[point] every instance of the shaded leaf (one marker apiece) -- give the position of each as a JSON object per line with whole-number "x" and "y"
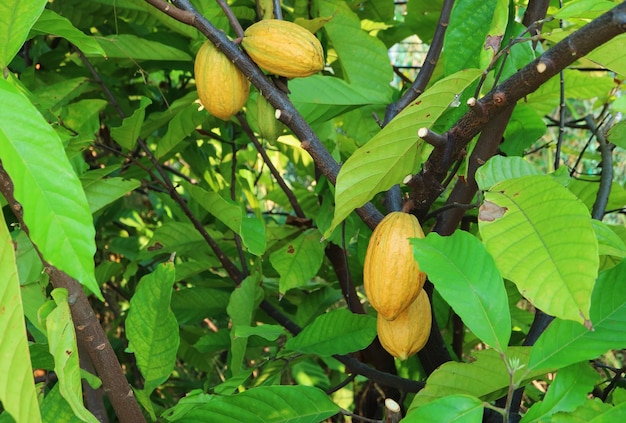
{"x": 54, "y": 203}
{"x": 544, "y": 243}
{"x": 128, "y": 46}
{"x": 126, "y": 135}
{"x": 336, "y": 332}
{"x": 52, "y": 23}
{"x": 101, "y": 191}
{"x": 449, "y": 409}
{"x": 395, "y": 151}
{"x": 264, "y": 404}
{"x": 17, "y": 388}
{"x": 466, "y": 276}
{"x": 299, "y": 260}
{"x": 151, "y": 327}
{"x": 568, "y": 342}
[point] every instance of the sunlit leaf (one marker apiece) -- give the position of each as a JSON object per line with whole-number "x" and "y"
{"x": 395, "y": 151}
{"x": 499, "y": 168}
{"x": 449, "y": 409}
{"x": 466, "y": 276}
{"x": 52, "y": 23}
{"x": 551, "y": 257}
{"x": 55, "y": 207}
{"x": 17, "y": 388}
{"x": 16, "y": 19}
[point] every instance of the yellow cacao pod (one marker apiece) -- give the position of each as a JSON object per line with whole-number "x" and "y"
{"x": 283, "y": 48}
{"x": 391, "y": 276}
{"x": 408, "y": 333}
{"x": 269, "y": 127}
{"x": 222, "y": 88}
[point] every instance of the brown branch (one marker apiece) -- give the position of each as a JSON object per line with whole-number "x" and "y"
{"x": 88, "y": 330}
{"x": 530, "y": 78}
{"x": 266, "y": 159}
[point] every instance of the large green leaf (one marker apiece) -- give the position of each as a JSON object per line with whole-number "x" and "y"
{"x": 395, "y": 151}
{"x": 299, "y": 260}
{"x": 363, "y": 58}
{"x": 151, "y": 327}
{"x": 52, "y": 23}
{"x": 486, "y": 378}
{"x": 17, "y": 388}
{"x": 127, "y": 133}
{"x": 62, "y": 344}
{"x": 16, "y": 19}
{"x": 55, "y": 408}
{"x": 567, "y": 392}
{"x": 264, "y": 404}
{"x": 191, "y": 305}
{"x": 467, "y": 278}
{"x": 472, "y": 35}
{"x": 127, "y": 46}
{"x": 55, "y": 207}
{"x": 450, "y": 409}
{"x": 101, "y": 191}
{"x": 567, "y": 342}
{"x": 541, "y": 238}
{"x": 336, "y": 332}
{"x": 241, "y": 308}
{"x": 592, "y": 411}
{"x": 183, "y": 123}
{"x": 499, "y": 168}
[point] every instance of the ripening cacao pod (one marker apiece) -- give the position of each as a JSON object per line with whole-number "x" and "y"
{"x": 283, "y": 48}
{"x": 269, "y": 127}
{"x": 222, "y": 88}
{"x": 408, "y": 333}
{"x": 391, "y": 276}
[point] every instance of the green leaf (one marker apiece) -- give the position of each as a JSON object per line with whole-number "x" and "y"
{"x": 151, "y": 327}
{"x": 587, "y": 191}
{"x": 16, "y": 19}
{"x": 55, "y": 207}
{"x": 241, "y": 308}
{"x": 62, "y": 344}
{"x": 52, "y": 23}
{"x": 468, "y": 37}
{"x": 55, "y": 408}
{"x": 589, "y": 411}
{"x": 299, "y": 260}
{"x": 364, "y": 60}
{"x": 191, "y": 305}
{"x": 567, "y": 342}
{"x": 584, "y": 9}
{"x": 541, "y": 238}
{"x": 320, "y": 98}
{"x": 449, "y": 409}
{"x": 609, "y": 243}
{"x": 567, "y": 392}
{"x": 183, "y": 123}
{"x": 269, "y": 332}
{"x": 17, "y": 388}
{"x": 101, "y": 191}
{"x": 395, "y": 151}
{"x": 265, "y": 404}
{"x": 467, "y": 278}
{"x": 486, "y": 378}
{"x": 54, "y": 96}
{"x": 617, "y": 134}
{"x": 524, "y": 128}
{"x": 126, "y": 135}
{"x": 498, "y": 169}
{"x": 336, "y": 332}
{"x": 127, "y": 46}
{"x": 253, "y": 235}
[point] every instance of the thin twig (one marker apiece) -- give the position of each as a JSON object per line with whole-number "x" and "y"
{"x": 606, "y": 178}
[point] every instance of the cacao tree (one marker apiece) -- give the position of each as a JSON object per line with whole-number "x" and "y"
{"x": 160, "y": 262}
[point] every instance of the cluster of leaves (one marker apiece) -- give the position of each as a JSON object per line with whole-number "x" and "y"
{"x": 225, "y": 269}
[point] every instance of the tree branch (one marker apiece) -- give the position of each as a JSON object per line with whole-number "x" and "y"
{"x": 599, "y": 31}
{"x": 606, "y": 178}
{"x": 88, "y": 330}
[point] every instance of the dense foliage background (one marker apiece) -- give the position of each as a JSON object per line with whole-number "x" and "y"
{"x": 160, "y": 264}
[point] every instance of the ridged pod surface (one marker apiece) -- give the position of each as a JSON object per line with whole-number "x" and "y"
{"x": 222, "y": 88}
{"x": 391, "y": 276}
{"x": 408, "y": 333}
{"x": 283, "y": 48}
